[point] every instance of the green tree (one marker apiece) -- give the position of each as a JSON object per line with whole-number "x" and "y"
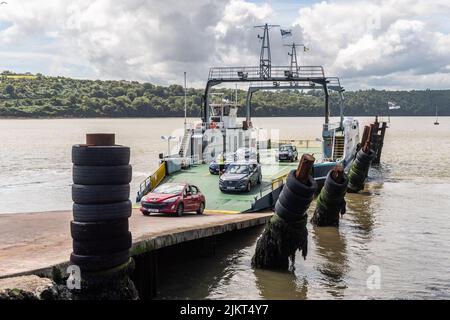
{"x": 10, "y": 90}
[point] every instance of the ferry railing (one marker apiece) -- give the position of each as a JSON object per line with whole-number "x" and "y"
{"x": 278, "y": 182}
{"x": 311, "y": 72}
{"x": 333, "y": 143}
{"x": 189, "y": 126}
{"x": 151, "y": 182}
{"x": 282, "y": 84}
{"x": 254, "y": 73}
{"x": 190, "y": 161}
{"x": 183, "y": 146}
{"x": 334, "y": 84}
{"x": 302, "y": 144}
{"x": 177, "y": 163}
{"x": 265, "y": 190}
{"x": 332, "y": 126}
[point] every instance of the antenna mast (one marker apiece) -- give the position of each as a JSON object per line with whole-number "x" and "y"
{"x": 293, "y": 55}
{"x": 185, "y": 101}
{"x": 265, "y": 60}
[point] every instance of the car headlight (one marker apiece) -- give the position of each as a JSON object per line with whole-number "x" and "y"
{"x": 144, "y": 199}
{"x": 171, "y": 200}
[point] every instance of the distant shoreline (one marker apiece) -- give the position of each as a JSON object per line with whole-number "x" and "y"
{"x": 65, "y": 98}
{"x": 189, "y": 117}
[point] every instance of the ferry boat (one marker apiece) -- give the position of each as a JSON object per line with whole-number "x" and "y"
{"x": 221, "y": 131}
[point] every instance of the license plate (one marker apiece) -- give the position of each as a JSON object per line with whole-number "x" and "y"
{"x": 230, "y": 188}
{"x": 153, "y": 210}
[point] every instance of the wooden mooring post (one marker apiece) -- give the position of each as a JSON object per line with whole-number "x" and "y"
{"x": 361, "y": 165}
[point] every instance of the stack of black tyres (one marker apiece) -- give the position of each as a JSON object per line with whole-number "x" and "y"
{"x": 359, "y": 170}
{"x": 295, "y": 198}
{"x": 330, "y": 202}
{"x": 101, "y": 192}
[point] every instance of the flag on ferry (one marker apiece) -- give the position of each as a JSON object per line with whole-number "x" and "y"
{"x": 393, "y": 105}
{"x": 285, "y": 33}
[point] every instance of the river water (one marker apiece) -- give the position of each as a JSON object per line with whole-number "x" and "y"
{"x": 393, "y": 243}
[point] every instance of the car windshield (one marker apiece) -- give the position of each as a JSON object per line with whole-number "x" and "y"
{"x": 285, "y": 148}
{"x": 169, "y": 189}
{"x": 238, "y": 169}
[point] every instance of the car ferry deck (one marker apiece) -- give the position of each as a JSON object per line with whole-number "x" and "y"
{"x": 273, "y": 174}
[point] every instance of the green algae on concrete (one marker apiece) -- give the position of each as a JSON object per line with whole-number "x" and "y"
{"x": 146, "y": 244}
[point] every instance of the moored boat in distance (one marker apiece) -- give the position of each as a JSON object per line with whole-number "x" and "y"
{"x": 436, "y": 123}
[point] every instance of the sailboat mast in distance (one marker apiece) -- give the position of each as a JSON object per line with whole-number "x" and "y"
{"x": 436, "y": 122}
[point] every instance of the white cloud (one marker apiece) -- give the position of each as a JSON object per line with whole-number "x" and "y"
{"x": 383, "y": 43}
{"x": 135, "y": 39}
{"x": 238, "y": 12}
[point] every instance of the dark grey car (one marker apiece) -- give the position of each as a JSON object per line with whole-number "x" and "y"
{"x": 287, "y": 152}
{"x": 240, "y": 176}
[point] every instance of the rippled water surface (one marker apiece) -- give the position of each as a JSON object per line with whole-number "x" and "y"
{"x": 400, "y": 224}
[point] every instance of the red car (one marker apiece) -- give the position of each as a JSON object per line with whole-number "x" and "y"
{"x": 173, "y": 198}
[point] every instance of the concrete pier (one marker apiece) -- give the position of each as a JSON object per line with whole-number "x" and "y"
{"x": 34, "y": 243}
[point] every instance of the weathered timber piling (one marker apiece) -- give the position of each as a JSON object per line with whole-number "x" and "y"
{"x": 286, "y": 231}
{"x": 377, "y": 142}
{"x": 361, "y": 165}
{"x": 364, "y": 139}
{"x": 331, "y": 201}
{"x": 100, "y": 231}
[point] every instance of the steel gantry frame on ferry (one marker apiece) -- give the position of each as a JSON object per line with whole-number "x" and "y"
{"x": 280, "y": 77}
{"x": 306, "y": 77}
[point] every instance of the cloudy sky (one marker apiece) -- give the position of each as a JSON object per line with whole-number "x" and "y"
{"x": 386, "y": 44}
